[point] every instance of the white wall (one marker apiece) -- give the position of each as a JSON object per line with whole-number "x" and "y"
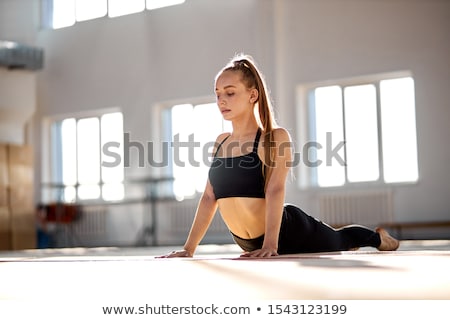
{"x": 137, "y": 61}
{"x": 17, "y": 104}
{"x": 18, "y": 22}
{"x": 338, "y": 39}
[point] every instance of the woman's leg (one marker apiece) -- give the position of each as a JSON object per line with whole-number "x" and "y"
{"x": 355, "y": 236}
{"x": 301, "y": 233}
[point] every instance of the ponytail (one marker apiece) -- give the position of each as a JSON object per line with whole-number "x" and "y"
{"x": 252, "y": 78}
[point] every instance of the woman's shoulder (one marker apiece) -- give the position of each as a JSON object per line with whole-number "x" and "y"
{"x": 219, "y": 140}
{"x": 280, "y": 134}
{"x": 221, "y": 137}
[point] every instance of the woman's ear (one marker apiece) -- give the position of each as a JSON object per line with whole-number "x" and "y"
{"x": 254, "y": 94}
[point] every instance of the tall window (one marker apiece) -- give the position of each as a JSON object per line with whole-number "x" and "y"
{"x": 194, "y": 129}
{"x": 77, "y": 153}
{"x": 64, "y": 13}
{"x": 363, "y": 132}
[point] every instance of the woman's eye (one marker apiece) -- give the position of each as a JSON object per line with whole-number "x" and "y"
{"x": 230, "y": 94}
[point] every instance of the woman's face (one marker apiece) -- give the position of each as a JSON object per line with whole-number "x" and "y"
{"x": 233, "y": 98}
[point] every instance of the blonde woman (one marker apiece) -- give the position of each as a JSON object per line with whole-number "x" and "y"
{"x": 247, "y": 180}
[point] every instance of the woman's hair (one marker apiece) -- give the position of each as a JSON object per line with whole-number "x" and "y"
{"x": 252, "y": 78}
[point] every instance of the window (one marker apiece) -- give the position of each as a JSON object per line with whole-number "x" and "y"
{"x": 362, "y": 131}
{"x": 118, "y": 8}
{"x": 77, "y": 153}
{"x": 90, "y": 9}
{"x": 156, "y": 4}
{"x": 64, "y": 13}
{"x": 194, "y": 129}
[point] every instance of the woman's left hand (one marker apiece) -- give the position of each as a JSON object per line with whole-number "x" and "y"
{"x": 260, "y": 253}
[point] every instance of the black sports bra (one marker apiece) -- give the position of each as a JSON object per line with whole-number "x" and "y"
{"x": 240, "y": 176}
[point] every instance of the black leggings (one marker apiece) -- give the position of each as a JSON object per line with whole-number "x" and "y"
{"x": 301, "y": 233}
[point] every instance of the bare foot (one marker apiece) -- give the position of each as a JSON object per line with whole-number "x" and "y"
{"x": 388, "y": 243}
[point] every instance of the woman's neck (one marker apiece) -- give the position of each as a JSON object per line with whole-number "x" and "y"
{"x": 244, "y": 128}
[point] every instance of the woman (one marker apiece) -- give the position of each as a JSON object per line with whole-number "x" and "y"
{"x": 248, "y": 175}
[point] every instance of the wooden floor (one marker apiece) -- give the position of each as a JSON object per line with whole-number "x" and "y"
{"x": 418, "y": 270}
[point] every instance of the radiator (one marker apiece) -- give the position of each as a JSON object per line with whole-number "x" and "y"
{"x": 92, "y": 221}
{"x": 88, "y": 229}
{"x": 369, "y": 208}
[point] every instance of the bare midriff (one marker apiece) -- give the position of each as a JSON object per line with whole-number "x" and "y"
{"x": 244, "y": 217}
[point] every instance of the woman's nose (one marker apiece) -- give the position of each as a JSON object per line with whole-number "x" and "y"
{"x": 221, "y": 101}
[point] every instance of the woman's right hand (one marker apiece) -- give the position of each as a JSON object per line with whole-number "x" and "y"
{"x": 177, "y": 254}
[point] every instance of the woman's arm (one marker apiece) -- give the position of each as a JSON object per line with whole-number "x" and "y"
{"x": 206, "y": 209}
{"x": 275, "y": 193}
{"x": 205, "y": 213}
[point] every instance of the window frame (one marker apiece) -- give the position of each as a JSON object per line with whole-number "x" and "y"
{"x": 51, "y": 179}
{"x": 47, "y": 13}
{"x": 308, "y": 176}
{"x": 164, "y": 133}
